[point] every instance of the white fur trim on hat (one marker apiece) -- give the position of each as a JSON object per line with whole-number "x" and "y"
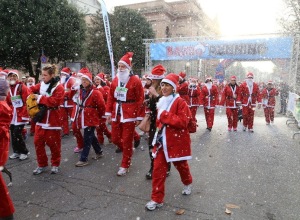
{"x": 62, "y": 72}
{"x": 85, "y": 76}
{"x": 126, "y": 64}
{"x": 13, "y": 72}
{"x": 169, "y": 82}
{"x": 151, "y": 76}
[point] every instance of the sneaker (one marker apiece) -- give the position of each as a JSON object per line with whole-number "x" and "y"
{"x": 77, "y": 150}
{"x": 122, "y": 171}
{"x": 54, "y": 170}
{"x": 267, "y": 123}
{"x": 149, "y": 174}
{"x": 14, "y": 156}
{"x": 187, "y": 189}
{"x": 81, "y": 163}
{"x": 39, "y": 170}
{"x": 23, "y": 156}
{"x": 244, "y": 128}
{"x": 272, "y": 122}
{"x": 251, "y": 130}
{"x": 31, "y": 133}
{"x": 137, "y": 143}
{"x": 229, "y": 129}
{"x": 153, "y": 205}
{"x": 235, "y": 129}
{"x": 98, "y": 156}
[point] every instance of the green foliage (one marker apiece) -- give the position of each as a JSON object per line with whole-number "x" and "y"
{"x": 27, "y": 26}
{"x": 125, "y": 24}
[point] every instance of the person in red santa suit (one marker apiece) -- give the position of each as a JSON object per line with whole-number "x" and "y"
{"x": 171, "y": 142}
{"x": 74, "y": 95}
{"x": 50, "y": 95}
{"x": 67, "y": 81}
{"x": 125, "y": 109}
{"x": 183, "y": 87}
{"x": 209, "y": 98}
{"x": 248, "y": 97}
{"x": 228, "y": 99}
{"x": 194, "y": 97}
{"x": 6, "y": 205}
{"x": 102, "y": 129}
{"x": 16, "y": 99}
{"x": 3, "y": 73}
{"x": 31, "y": 82}
{"x": 268, "y": 95}
{"x": 87, "y": 115}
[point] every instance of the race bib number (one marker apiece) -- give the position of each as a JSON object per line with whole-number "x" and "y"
{"x": 265, "y": 101}
{"x": 17, "y": 101}
{"x": 120, "y": 93}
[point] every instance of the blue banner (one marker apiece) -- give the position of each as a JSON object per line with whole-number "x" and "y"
{"x": 108, "y": 37}
{"x": 246, "y": 49}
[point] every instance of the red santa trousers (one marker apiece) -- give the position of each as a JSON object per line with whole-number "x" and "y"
{"x": 65, "y": 113}
{"x": 159, "y": 175}
{"x": 232, "y": 117}
{"x": 52, "y": 138}
{"x": 102, "y": 129}
{"x": 269, "y": 114}
{"x": 77, "y": 134}
{"x": 248, "y": 116}
{"x": 209, "y": 116}
{"x": 122, "y": 136}
{"x": 6, "y": 204}
{"x": 193, "y": 110}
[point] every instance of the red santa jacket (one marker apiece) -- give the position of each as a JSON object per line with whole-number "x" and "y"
{"x": 130, "y": 110}
{"x": 16, "y": 99}
{"x": 183, "y": 91}
{"x": 5, "y": 119}
{"x": 194, "y": 92}
{"x": 247, "y": 97}
{"x": 52, "y": 101}
{"x": 104, "y": 91}
{"x": 68, "y": 103}
{"x": 229, "y": 96}
{"x": 176, "y": 137}
{"x": 209, "y": 98}
{"x": 89, "y": 109}
{"x": 268, "y": 97}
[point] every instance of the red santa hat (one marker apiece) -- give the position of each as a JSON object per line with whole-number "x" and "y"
{"x": 4, "y": 72}
{"x": 83, "y": 71}
{"x": 182, "y": 74}
{"x": 270, "y": 82}
{"x": 172, "y": 79}
{"x": 250, "y": 75}
{"x": 14, "y": 72}
{"x": 126, "y": 60}
{"x": 66, "y": 70}
{"x": 31, "y": 78}
{"x": 208, "y": 79}
{"x": 88, "y": 76}
{"x": 101, "y": 76}
{"x": 158, "y": 72}
{"x": 233, "y": 78}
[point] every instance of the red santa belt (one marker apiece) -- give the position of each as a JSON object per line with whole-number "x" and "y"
{"x": 183, "y": 93}
{"x": 82, "y": 106}
{"x": 194, "y": 96}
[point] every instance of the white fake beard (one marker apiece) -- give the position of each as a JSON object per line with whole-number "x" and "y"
{"x": 63, "y": 79}
{"x": 123, "y": 76}
{"x": 208, "y": 85}
{"x": 44, "y": 88}
{"x": 12, "y": 82}
{"x": 249, "y": 82}
{"x": 164, "y": 102}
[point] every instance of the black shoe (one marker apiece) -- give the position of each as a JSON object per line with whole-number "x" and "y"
{"x": 137, "y": 143}
{"x": 118, "y": 150}
{"x": 65, "y": 135}
{"x": 279, "y": 112}
{"x": 209, "y": 129}
{"x": 11, "y": 217}
{"x": 149, "y": 175}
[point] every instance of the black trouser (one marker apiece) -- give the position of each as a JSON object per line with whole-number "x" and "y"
{"x": 283, "y": 105}
{"x": 17, "y": 140}
{"x": 89, "y": 140}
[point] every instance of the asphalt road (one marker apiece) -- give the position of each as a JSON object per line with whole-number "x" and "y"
{"x": 257, "y": 173}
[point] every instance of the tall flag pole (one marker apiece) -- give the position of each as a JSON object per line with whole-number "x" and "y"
{"x": 108, "y": 36}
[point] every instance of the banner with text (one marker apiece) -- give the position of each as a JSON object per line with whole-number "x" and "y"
{"x": 246, "y": 49}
